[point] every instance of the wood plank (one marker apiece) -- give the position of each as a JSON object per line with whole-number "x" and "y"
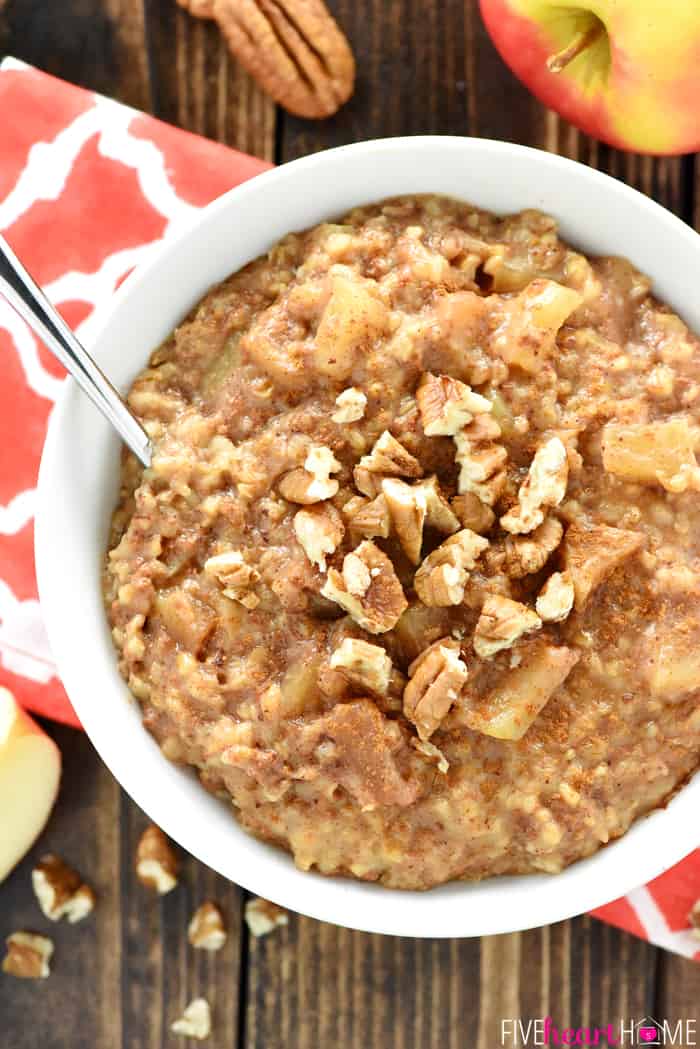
{"x": 99, "y": 44}
{"x": 199, "y": 86}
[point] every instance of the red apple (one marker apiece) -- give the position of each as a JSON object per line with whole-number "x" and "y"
{"x": 624, "y": 71}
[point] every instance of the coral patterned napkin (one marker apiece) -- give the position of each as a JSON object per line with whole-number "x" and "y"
{"x": 88, "y": 188}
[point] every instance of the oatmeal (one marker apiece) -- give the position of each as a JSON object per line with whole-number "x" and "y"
{"x": 413, "y": 580}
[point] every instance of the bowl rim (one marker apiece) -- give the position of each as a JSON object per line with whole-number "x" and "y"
{"x": 589, "y": 883}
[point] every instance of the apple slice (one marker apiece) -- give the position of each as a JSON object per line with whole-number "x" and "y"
{"x": 30, "y": 770}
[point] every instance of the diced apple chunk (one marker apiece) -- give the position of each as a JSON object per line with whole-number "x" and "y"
{"x": 30, "y": 770}
{"x": 674, "y": 669}
{"x": 511, "y": 707}
{"x": 592, "y": 554}
{"x": 528, "y": 335}
{"x": 351, "y": 320}
{"x": 652, "y": 453}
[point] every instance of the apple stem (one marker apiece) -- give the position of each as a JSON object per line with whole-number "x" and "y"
{"x": 585, "y": 38}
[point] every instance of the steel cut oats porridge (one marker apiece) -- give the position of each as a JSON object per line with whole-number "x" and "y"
{"x": 413, "y": 578}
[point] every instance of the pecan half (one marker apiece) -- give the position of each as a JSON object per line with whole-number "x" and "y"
{"x": 501, "y": 623}
{"x": 368, "y": 589}
{"x": 436, "y": 679}
{"x": 293, "y": 48}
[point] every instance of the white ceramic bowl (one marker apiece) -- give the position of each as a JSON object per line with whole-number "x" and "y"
{"x": 78, "y": 490}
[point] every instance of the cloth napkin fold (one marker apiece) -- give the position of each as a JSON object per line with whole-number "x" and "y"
{"x": 88, "y": 189}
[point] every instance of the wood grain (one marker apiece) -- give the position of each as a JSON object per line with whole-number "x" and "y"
{"x": 122, "y": 977}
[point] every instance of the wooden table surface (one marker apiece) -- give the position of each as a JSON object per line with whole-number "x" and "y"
{"x": 122, "y": 976}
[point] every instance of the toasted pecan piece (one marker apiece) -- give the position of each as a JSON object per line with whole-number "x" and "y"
{"x": 368, "y": 588}
{"x": 293, "y": 48}
{"x": 319, "y": 530}
{"x": 263, "y": 916}
{"x": 545, "y": 485}
{"x": 156, "y": 862}
{"x": 369, "y": 517}
{"x": 501, "y": 623}
{"x": 363, "y": 664}
{"x": 350, "y": 406}
{"x": 28, "y": 956}
{"x": 481, "y": 459}
{"x": 436, "y": 677}
{"x": 556, "y": 598}
{"x": 388, "y": 458}
{"x": 207, "y": 931}
{"x": 236, "y": 578}
{"x": 472, "y": 513}
{"x": 312, "y": 483}
{"x": 446, "y": 405}
{"x": 441, "y": 578}
{"x": 195, "y": 1021}
{"x": 522, "y": 555}
{"x": 61, "y": 891}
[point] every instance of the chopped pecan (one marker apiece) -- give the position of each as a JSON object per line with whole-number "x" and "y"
{"x": 388, "y": 458}
{"x": 293, "y": 48}
{"x": 263, "y": 917}
{"x": 432, "y": 753}
{"x": 60, "y": 890}
{"x": 436, "y": 679}
{"x": 407, "y": 509}
{"x": 156, "y": 862}
{"x": 556, "y": 598}
{"x": 312, "y": 483}
{"x": 363, "y": 664}
{"x": 472, "y": 513}
{"x": 591, "y": 554}
{"x": 526, "y": 554}
{"x": 545, "y": 485}
{"x": 28, "y": 956}
{"x": 481, "y": 459}
{"x": 438, "y": 512}
{"x": 351, "y": 404}
{"x": 319, "y": 530}
{"x": 441, "y": 578}
{"x": 207, "y": 930}
{"x": 447, "y": 405}
{"x": 368, "y": 589}
{"x": 501, "y": 623}
{"x": 195, "y": 1021}
{"x": 369, "y": 517}
{"x": 237, "y": 578}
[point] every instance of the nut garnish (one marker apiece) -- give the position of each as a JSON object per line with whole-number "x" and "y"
{"x": 545, "y": 485}
{"x": 407, "y": 508}
{"x": 368, "y": 589}
{"x": 556, "y": 598}
{"x": 441, "y": 578}
{"x": 447, "y": 405}
{"x": 590, "y": 555}
{"x": 432, "y": 753}
{"x": 293, "y": 48}
{"x": 351, "y": 406}
{"x": 363, "y": 664}
{"x": 237, "y": 579}
{"x": 60, "y": 890}
{"x": 526, "y": 554}
{"x": 436, "y": 679}
{"x": 312, "y": 483}
{"x": 370, "y": 518}
{"x": 481, "y": 459}
{"x": 319, "y": 530}
{"x": 472, "y": 513}
{"x": 388, "y": 458}
{"x": 263, "y": 916}
{"x": 438, "y": 512}
{"x": 207, "y": 930}
{"x": 195, "y": 1021}
{"x": 501, "y": 623}
{"x": 28, "y": 956}
{"x": 156, "y": 862}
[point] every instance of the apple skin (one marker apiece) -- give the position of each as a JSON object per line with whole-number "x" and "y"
{"x": 649, "y": 98}
{"x": 30, "y": 771}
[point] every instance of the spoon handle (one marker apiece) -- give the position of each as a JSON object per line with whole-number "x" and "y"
{"x": 21, "y": 291}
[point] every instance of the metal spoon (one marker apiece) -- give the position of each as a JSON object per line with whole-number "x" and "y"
{"x": 22, "y": 292}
